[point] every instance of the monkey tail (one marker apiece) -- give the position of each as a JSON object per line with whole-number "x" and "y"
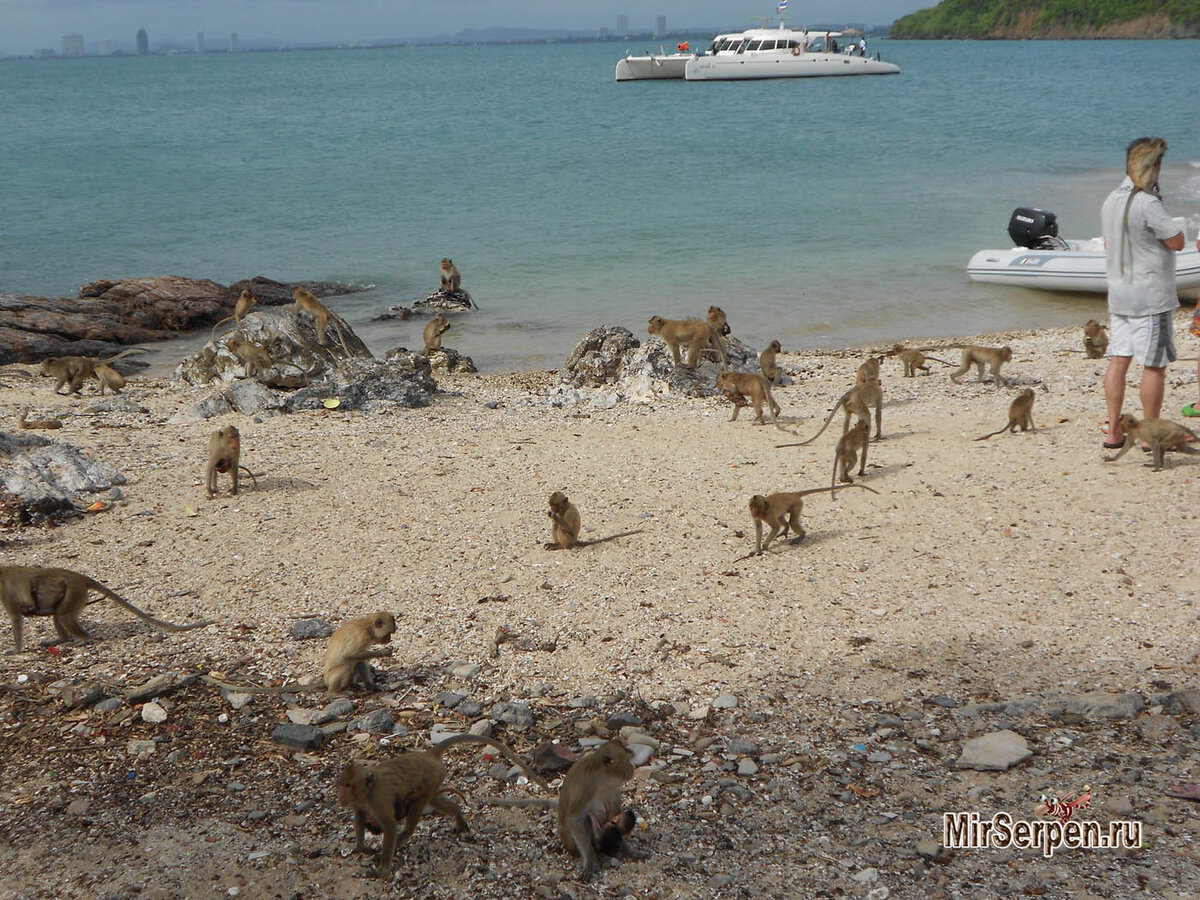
{"x": 833, "y": 482}
{"x": 145, "y": 617}
{"x": 611, "y": 537}
{"x": 993, "y": 434}
{"x": 125, "y": 353}
{"x": 470, "y": 299}
{"x": 251, "y": 474}
{"x": 341, "y": 337}
{"x": 830, "y": 490}
{"x": 828, "y": 419}
{"x": 218, "y": 325}
{"x": 942, "y": 361}
{"x": 258, "y": 689}
{"x": 442, "y": 746}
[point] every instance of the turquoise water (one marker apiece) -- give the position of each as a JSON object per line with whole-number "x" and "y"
{"x": 820, "y": 211}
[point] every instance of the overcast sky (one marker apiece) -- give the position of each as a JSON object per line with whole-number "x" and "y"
{"x": 26, "y": 25}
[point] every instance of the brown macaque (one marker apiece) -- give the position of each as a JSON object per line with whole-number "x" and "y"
{"x": 254, "y": 358}
{"x": 73, "y": 371}
{"x": 1160, "y": 434}
{"x": 346, "y": 658}
{"x": 766, "y": 362}
{"x": 564, "y": 531}
{"x": 382, "y": 794}
{"x": 45, "y": 424}
{"x": 868, "y": 371}
{"x": 749, "y": 389}
{"x": 437, "y": 326}
{"x": 696, "y": 334}
{"x": 244, "y": 303}
{"x": 993, "y": 357}
{"x": 781, "y": 513}
{"x": 307, "y": 301}
{"x": 857, "y": 401}
{"x": 1020, "y": 412}
{"x": 718, "y": 321}
{"x": 62, "y": 594}
{"x": 849, "y": 447}
{"x": 108, "y": 377}
{"x": 224, "y": 453}
{"x": 590, "y": 815}
{"x": 451, "y": 277}
{"x": 1095, "y": 339}
{"x": 915, "y": 359}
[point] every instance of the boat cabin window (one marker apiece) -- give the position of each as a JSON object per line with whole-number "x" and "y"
{"x": 755, "y": 45}
{"x": 768, "y": 45}
{"x": 727, "y": 44}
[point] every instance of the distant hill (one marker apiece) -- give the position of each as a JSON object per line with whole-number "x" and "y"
{"x": 1006, "y": 19}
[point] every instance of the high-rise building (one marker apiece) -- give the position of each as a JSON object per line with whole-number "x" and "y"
{"x": 233, "y": 44}
{"x": 106, "y": 48}
{"x": 622, "y": 25}
{"x": 199, "y": 42}
{"x": 143, "y": 43}
{"x": 72, "y": 45}
{"x": 602, "y": 34}
{"x": 660, "y": 26}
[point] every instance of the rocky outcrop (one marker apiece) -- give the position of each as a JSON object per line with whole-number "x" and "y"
{"x": 108, "y": 314}
{"x": 1041, "y": 20}
{"x": 42, "y": 478}
{"x": 269, "y": 292}
{"x": 446, "y": 361}
{"x": 446, "y": 299}
{"x": 600, "y": 357}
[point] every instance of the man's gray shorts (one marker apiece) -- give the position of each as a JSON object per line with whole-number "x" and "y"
{"x": 1148, "y": 339}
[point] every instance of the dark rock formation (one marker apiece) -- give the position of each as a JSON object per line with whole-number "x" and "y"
{"x": 448, "y": 300}
{"x": 43, "y": 478}
{"x": 269, "y": 292}
{"x": 600, "y": 356}
{"x": 446, "y": 360}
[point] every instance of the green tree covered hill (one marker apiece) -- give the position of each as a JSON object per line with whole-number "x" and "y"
{"x": 1053, "y": 19}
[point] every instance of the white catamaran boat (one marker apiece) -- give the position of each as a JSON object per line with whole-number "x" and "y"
{"x": 654, "y": 66}
{"x": 781, "y": 53}
{"x": 1045, "y": 261}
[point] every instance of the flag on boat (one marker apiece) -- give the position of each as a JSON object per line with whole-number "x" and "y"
{"x": 783, "y": 5}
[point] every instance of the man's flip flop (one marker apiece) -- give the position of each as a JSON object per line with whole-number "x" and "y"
{"x": 1184, "y": 791}
{"x": 1191, "y": 411}
{"x": 1117, "y": 446}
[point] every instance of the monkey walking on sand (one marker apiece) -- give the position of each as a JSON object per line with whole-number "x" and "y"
{"x": 1160, "y": 434}
{"x": 224, "y": 455}
{"x": 781, "y": 512}
{"x": 1020, "y": 412}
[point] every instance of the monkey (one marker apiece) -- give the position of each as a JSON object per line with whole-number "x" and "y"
{"x": 244, "y": 302}
{"x": 433, "y": 332}
{"x": 858, "y": 400}
{"x": 28, "y": 423}
{"x": 75, "y": 370}
{"x": 451, "y": 277}
{"x": 345, "y": 658}
{"x": 868, "y": 371}
{"x": 307, "y": 301}
{"x": 738, "y": 386}
{"x": 915, "y": 359}
{"x": 589, "y": 807}
{"x": 696, "y": 334}
{"x": 564, "y": 532}
{"x": 781, "y": 512}
{"x": 994, "y": 357}
{"x": 1020, "y": 412}
{"x": 384, "y": 793}
{"x": 62, "y": 594}
{"x": 766, "y": 362}
{"x": 849, "y": 446}
{"x": 224, "y": 452}
{"x": 718, "y": 321}
{"x": 1160, "y": 434}
{"x": 255, "y": 359}
{"x": 108, "y": 377}
{"x": 1095, "y": 339}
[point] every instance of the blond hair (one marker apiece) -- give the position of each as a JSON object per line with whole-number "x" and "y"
{"x": 1142, "y": 159}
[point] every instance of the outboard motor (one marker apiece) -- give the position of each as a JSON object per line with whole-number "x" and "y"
{"x": 1036, "y": 229}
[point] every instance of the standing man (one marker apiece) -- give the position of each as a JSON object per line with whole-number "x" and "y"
{"x": 1139, "y": 240}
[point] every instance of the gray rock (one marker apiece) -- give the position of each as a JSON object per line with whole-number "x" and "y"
{"x": 513, "y": 713}
{"x": 640, "y": 754}
{"x": 377, "y": 721}
{"x": 725, "y": 701}
{"x": 994, "y": 752}
{"x": 453, "y": 301}
{"x": 747, "y": 766}
{"x": 600, "y": 357}
{"x": 1014, "y": 709}
{"x": 927, "y": 849}
{"x": 1096, "y": 706}
{"x": 1185, "y": 701}
{"x": 943, "y": 701}
{"x": 303, "y": 737}
{"x": 449, "y": 361}
{"x": 116, "y": 494}
{"x": 619, "y": 720}
{"x": 450, "y": 699}
{"x": 482, "y": 728}
{"x": 461, "y": 669}
{"x": 469, "y": 708}
{"x": 315, "y": 627}
{"x": 879, "y": 756}
{"x": 582, "y": 703}
{"x": 49, "y": 477}
{"x": 112, "y": 703}
{"x": 742, "y": 747}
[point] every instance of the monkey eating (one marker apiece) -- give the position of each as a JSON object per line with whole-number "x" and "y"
{"x": 591, "y": 819}
{"x": 564, "y": 530}
{"x": 1095, "y": 339}
{"x": 1160, "y": 434}
{"x": 1020, "y": 412}
{"x": 781, "y": 513}
{"x": 915, "y": 359}
{"x": 382, "y": 794}
{"x": 306, "y": 301}
{"x": 62, "y": 594}
{"x": 224, "y": 454}
{"x": 766, "y": 362}
{"x": 437, "y": 326}
{"x": 696, "y": 334}
{"x": 856, "y": 401}
{"x": 244, "y": 302}
{"x": 849, "y": 446}
{"x": 993, "y": 357}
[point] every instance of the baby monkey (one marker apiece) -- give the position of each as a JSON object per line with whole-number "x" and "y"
{"x": 591, "y": 819}
{"x": 244, "y": 302}
{"x": 1020, "y": 412}
{"x": 1095, "y": 339}
{"x": 307, "y": 301}
{"x": 1160, "y": 434}
{"x": 915, "y": 359}
{"x": 766, "y": 361}
{"x": 437, "y": 326}
{"x": 851, "y": 444}
{"x": 564, "y": 531}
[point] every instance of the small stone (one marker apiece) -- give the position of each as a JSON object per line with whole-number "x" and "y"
{"x": 450, "y": 699}
{"x": 236, "y": 786}
{"x": 927, "y": 849}
{"x": 311, "y": 628}
{"x": 109, "y": 705}
{"x": 725, "y": 701}
{"x": 257, "y": 816}
{"x": 619, "y": 720}
{"x": 464, "y": 670}
{"x": 513, "y": 713}
{"x": 377, "y": 721}
{"x": 582, "y": 703}
{"x": 305, "y": 805}
{"x": 943, "y": 701}
{"x": 747, "y": 766}
{"x": 302, "y": 737}
{"x": 995, "y": 752}
{"x": 866, "y": 876}
{"x": 696, "y": 713}
{"x": 879, "y": 756}
{"x": 640, "y": 754}
{"x": 116, "y": 493}
{"x": 77, "y": 807}
{"x": 720, "y": 881}
{"x": 879, "y": 893}
{"x": 481, "y": 728}
{"x": 743, "y": 747}
{"x": 469, "y": 708}
{"x": 336, "y": 709}
{"x": 236, "y": 700}
{"x": 301, "y": 716}
{"x": 140, "y": 748}
{"x": 153, "y": 713}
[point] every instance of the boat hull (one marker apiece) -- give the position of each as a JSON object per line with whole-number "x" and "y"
{"x": 1068, "y": 270}
{"x": 652, "y": 68}
{"x": 749, "y": 66}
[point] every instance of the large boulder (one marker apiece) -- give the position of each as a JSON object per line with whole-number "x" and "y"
{"x": 49, "y": 478}
{"x": 446, "y": 299}
{"x": 269, "y": 292}
{"x": 402, "y": 381}
{"x": 601, "y": 357}
{"x": 444, "y": 361}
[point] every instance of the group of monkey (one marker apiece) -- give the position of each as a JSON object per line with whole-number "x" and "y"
{"x": 591, "y": 819}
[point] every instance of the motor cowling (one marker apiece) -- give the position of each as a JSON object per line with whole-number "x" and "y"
{"x": 1033, "y": 228}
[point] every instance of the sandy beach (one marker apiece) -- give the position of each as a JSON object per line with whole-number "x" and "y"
{"x": 1022, "y": 568}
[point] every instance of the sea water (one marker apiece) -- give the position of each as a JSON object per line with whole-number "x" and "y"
{"x": 822, "y": 212}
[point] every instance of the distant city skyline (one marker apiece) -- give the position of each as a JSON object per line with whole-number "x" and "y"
{"x": 27, "y": 26}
